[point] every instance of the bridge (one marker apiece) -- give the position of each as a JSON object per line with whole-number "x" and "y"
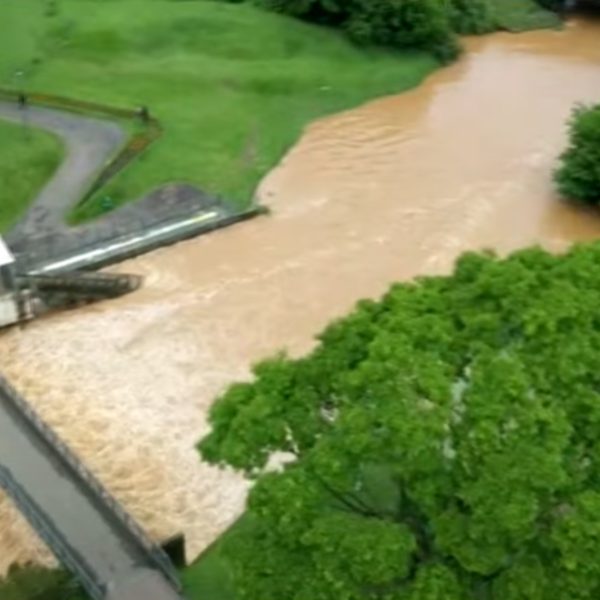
{"x": 87, "y": 530}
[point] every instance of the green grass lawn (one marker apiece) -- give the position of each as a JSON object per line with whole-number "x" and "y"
{"x": 233, "y": 86}
{"x": 27, "y": 159}
{"x": 210, "y": 576}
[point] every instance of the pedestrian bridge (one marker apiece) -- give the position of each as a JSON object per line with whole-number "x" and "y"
{"x": 87, "y": 530}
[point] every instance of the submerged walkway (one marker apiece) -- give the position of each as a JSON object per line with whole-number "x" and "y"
{"x": 85, "y": 528}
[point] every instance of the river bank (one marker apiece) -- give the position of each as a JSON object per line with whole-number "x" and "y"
{"x": 230, "y": 100}
{"x": 396, "y": 188}
{"x": 243, "y": 92}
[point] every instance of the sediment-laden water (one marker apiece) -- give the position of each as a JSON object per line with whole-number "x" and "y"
{"x": 395, "y": 188}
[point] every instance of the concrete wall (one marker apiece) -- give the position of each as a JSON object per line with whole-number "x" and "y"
{"x": 9, "y": 311}
{"x": 7, "y": 278}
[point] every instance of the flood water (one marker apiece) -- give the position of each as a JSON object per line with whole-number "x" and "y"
{"x": 393, "y": 189}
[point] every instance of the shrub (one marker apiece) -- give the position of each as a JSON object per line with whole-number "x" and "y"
{"x": 578, "y": 176}
{"x": 471, "y": 16}
{"x": 37, "y": 583}
{"x": 553, "y": 4}
{"x": 421, "y": 24}
{"x": 311, "y": 10}
{"x": 424, "y": 24}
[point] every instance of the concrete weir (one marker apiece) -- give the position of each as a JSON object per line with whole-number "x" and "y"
{"x": 25, "y": 295}
{"x": 116, "y": 248}
{"x": 84, "y": 526}
{"x": 44, "y": 243}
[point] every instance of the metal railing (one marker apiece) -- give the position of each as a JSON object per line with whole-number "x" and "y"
{"x": 51, "y": 535}
{"x": 37, "y": 249}
{"x": 52, "y": 249}
{"x": 152, "y": 550}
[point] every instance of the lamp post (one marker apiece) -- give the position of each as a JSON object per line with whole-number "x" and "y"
{"x": 20, "y": 87}
{"x": 18, "y": 79}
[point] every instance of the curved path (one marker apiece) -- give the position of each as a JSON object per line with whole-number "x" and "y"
{"x": 89, "y": 144}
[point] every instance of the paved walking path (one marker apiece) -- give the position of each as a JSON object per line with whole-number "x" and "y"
{"x": 90, "y": 143}
{"x": 43, "y": 234}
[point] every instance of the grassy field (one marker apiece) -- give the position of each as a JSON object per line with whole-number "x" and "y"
{"x": 210, "y": 576}
{"x": 232, "y": 85}
{"x": 27, "y": 159}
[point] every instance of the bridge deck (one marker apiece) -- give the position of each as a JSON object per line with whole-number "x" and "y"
{"x": 110, "y": 554}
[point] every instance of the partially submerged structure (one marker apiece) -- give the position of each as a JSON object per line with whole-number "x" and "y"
{"x": 25, "y": 295}
{"x": 10, "y": 311}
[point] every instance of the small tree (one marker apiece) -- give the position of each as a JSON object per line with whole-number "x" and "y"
{"x": 444, "y": 440}
{"x": 578, "y": 176}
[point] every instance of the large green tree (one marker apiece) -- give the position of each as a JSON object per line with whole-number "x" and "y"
{"x": 441, "y": 444}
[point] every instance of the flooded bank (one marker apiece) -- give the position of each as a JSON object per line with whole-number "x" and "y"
{"x": 396, "y": 188}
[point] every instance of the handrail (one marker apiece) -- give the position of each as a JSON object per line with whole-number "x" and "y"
{"x": 51, "y": 535}
{"x": 99, "y": 492}
{"x": 31, "y": 260}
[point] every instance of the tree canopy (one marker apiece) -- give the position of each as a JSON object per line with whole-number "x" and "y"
{"x": 442, "y": 443}
{"x": 578, "y": 176}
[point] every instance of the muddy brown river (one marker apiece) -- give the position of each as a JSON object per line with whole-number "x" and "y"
{"x": 396, "y": 188}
